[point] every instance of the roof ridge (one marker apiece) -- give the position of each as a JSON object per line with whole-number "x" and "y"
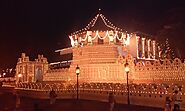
{"x": 93, "y": 21}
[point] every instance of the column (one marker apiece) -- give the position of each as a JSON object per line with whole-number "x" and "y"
{"x": 143, "y": 47}
{"x": 137, "y": 45}
{"x": 153, "y": 42}
{"x": 149, "y": 48}
{"x": 111, "y": 37}
{"x": 127, "y": 41}
{"x": 76, "y": 41}
{"x": 89, "y": 39}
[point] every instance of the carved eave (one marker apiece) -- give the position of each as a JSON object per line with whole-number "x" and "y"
{"x": 65, "y": 51}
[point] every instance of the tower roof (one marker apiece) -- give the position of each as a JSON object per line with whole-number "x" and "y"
{"x": 99, "y": 22}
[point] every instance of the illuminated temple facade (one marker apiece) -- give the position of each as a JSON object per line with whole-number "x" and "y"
{"x": 101, "y": 50}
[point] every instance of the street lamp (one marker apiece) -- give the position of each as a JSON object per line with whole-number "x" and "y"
{"x": 4, "y": 74}
{"x": 19, "y": 77}
{"x": 77, "y": 73}
{"x": 127, "y": 69}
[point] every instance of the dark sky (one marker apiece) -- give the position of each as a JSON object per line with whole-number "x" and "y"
{"x": 42, "y": 26}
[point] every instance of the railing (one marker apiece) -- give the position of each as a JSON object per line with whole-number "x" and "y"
{"x": 7, "y": 79}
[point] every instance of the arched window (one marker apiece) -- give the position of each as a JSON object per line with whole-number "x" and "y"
{"x": 38, "y": 74}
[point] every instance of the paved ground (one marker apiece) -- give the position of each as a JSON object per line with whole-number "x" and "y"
{"x": 80, "y": 105}
{"x": 7, "y": 103}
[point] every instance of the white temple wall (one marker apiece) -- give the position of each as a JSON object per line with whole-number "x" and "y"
{"x": 95, "y": 54}
{"x": 100, "y": 73}
{"x": 132, "y": 47}
{"x": 57, "y": 75}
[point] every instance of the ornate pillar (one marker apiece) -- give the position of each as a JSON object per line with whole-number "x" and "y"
{"x": 76, "y": 41}
{"x": 111, "y": 37}
{"x": 72, "y": 41}
{"x": 137, "y": 46}
{"x": 89, "y": 39}
{"x": 153, "y": 42}
{"x": 148, "y": 48}
{"x": 80, "y": 41}
{"x": 127, "y": 42}
{"x": 143, "y": 47}
{"x": 123, "y": 38}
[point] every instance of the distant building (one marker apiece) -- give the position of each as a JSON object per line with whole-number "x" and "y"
{"x": 31, "y": 71}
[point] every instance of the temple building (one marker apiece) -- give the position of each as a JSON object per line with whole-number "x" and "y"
{"x": 101, "y": 50}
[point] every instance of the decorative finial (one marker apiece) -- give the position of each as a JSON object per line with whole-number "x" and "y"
{"x": 99, "y": 10}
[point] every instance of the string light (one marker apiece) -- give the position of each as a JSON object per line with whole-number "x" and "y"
{"x": 93, "y": 22}
{"x": 124, "y": 39}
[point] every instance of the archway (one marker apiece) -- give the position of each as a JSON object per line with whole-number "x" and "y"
{"x": 38, "y": 74}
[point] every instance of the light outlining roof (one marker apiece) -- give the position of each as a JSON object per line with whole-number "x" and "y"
{"x": 92, "y": 23}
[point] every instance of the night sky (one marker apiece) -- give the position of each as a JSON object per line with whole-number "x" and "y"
{"x": 42, "y": 26}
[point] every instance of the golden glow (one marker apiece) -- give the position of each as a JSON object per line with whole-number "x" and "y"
{"x": 19, "y": 75}
{"x": 77, "y": 70}
{"x": 127, "y": 69}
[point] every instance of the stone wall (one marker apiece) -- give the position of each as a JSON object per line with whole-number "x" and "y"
{"x": 153, "y": 95}
{"x": 160, "y": 71}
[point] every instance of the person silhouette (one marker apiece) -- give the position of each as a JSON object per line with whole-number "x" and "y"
{"x": 168, "y": 104}
{"x": 111, "y": 101}
{"x": 53, "y": 96}
{"x": 176, "y": 106}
